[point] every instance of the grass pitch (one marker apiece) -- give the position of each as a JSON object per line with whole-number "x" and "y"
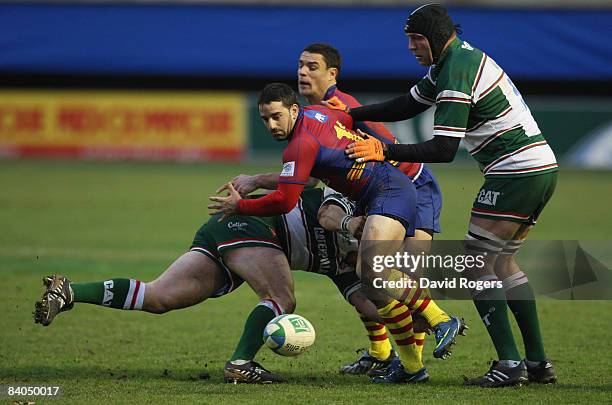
{"x": 93, "y": 221}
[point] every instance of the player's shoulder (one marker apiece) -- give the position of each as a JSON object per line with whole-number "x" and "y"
{"x": 464, "y": 53}
{"x": 462, "y": 63}
{"x": 317, "y": 113}
{"x": 347, "y": 99}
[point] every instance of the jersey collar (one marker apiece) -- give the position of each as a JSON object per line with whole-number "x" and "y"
{"x": 297, "y": 122}
{"x": 455, "y": 43}
{"x": 330, "y": 92}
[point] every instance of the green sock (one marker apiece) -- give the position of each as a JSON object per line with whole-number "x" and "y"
{"x": 521, "y": 302}
{"x": 252, "y": 336}
{"x": 121, "y": 293}
{"x": 492, "y": 307}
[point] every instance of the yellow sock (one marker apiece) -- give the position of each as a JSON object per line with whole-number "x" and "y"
{"x": 419, "y": 301}
{"x": 419, "y": 340}
{"x": 380, "y": 347}
{"x": 398, "y": 320}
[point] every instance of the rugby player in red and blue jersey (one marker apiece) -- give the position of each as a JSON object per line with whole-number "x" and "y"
{"x": 318, "y": 69}
{"x": 317, "y": 139}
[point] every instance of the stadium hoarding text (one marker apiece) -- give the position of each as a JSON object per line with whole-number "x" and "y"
{"x": 123, "y": 125}
{"x": 566, "y": 270}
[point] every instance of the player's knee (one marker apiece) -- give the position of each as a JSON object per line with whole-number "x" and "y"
{"x": 506, "y": 265}
{"x": 479, "y": 241}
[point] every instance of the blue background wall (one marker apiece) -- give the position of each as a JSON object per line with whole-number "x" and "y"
{"x": 265, "y": 41}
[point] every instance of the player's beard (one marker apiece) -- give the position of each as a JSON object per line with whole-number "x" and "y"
{"x": 288, "y": 130}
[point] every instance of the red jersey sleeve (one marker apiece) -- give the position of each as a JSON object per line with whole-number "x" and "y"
{"x": 298, "y": 159}
{"x": 279, "y": 202}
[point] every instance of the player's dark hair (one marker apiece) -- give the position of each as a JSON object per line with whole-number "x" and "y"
{"x": 278, "y": 92}
{"x": 331, "y": 56}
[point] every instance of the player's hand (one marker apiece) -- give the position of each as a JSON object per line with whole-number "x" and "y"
{"x": 225, "y": 205}
{"x": 335, "y": 103}
{"x": 366, "y": 150}
{"x": 355, "y": 226}
{"x": 420, "y": 324}
{"x": 244, "y": 184}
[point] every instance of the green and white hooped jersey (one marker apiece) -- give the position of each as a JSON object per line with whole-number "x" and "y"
{"x": 477, "y": 101}
{"x": 310, "y": 247}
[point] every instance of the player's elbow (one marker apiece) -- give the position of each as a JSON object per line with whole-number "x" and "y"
{"x": 447, "y": 148}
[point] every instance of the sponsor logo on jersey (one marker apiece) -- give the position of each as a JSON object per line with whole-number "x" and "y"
{"x": 488, "y": 197}
{"x": 288, "y": 169}
{"x": 467, "y": 46}
{"x": 322, "y": 118}
{"x": 235, "y": 225}
{"x": 342, "y": 132}
{"x": 108, "y": 294}
{"x": 322, "y": 251}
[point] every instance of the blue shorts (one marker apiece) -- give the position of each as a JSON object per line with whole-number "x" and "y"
{"x": 429, "y": 201}
{"x": 392, "y": 194}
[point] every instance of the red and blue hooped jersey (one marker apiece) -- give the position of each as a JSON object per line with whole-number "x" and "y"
{"x": 316, "y": 148}
{"x": 376, "y": 129}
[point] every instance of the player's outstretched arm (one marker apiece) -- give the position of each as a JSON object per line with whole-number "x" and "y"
{"x": 246, "y": 184}
{"x": 439, "y": 149}
{"x": 335, "y": 219}
{"x": 397, "y": 109}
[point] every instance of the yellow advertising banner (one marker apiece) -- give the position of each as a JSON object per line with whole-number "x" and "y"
{"x": 123, "y": 124}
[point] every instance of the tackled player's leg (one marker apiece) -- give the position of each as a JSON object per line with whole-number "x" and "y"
{"x": 191, "y": 279}
{"x": 267, "y": 272}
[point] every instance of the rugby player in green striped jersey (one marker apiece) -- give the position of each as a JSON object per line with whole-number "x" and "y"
{"x": 476, "y": 101}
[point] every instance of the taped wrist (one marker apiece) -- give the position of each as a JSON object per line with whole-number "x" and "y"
{"x": 344, "y": 223}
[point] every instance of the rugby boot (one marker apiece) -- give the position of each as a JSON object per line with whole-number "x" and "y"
{"x": 396, "y": 374}
{"x": 58, "y": 297}
{"x": 501, "y": 376}
{"x": 249, "y": 373}
{"x": 366, "y": 363}
{"x": 445, "y": 333}
{"x": 542, "y": 373}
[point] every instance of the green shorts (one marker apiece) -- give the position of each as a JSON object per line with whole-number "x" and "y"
{"x": 214, "y": 238}
{"x": 517, "y": 199}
